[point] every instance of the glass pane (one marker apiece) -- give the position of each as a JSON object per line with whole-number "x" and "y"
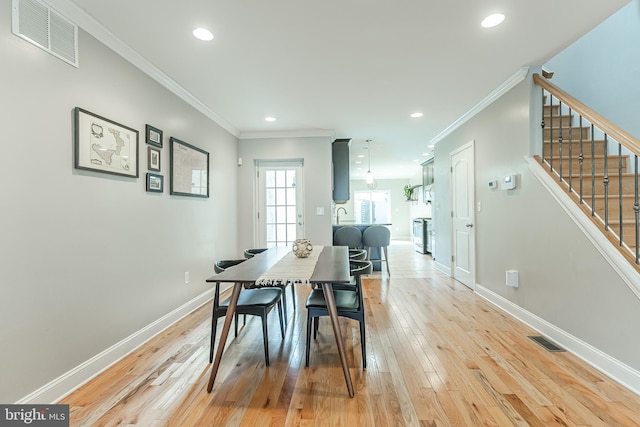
{"x": 291, "y": 232}
{"x": 280, "y": 178}
{"x": 271, "y": 196}
{"x": 281, "y": 232}
{"x": 291, "y": 214}
{"x": 291, "y": 178}
{"x": 271, "y": 232}
{"x": 271, "y": 178}
{"x": 291, "y": 196}
{"x": 281, "y": 196}
{"x": 271, "y": 215}
{"x": 281, "y": 214}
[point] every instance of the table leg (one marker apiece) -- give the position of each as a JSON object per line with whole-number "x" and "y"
{"x": 333, "y": 314}
{"x": 233, "y": 302}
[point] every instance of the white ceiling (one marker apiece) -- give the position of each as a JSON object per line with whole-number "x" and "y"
{"x": 348, "y": 68}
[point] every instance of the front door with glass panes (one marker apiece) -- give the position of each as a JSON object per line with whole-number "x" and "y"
{"x": 280, "y": 211}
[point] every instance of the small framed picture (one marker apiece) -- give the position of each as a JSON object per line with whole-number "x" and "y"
{"x": 154, "y": 136}
{"x": 155, "y": 183}
{"x": 153, "y": 158}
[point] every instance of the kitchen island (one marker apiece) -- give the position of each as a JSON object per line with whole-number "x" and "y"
{"x": 375, "y": 252}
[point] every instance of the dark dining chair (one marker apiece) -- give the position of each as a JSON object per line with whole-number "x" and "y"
{"x": 255, "y": 302}
{"x": 377, "y": 236}
{"x": 250, "y": 253}
{"x": 349, "y": 303}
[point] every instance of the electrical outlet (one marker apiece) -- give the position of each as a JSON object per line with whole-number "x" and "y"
{"x": 186, "y": 277}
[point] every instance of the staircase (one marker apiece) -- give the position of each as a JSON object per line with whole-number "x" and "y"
{"x": 600, "y": 173}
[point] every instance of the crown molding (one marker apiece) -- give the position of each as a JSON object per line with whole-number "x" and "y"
{"x": 312, "y": 133}
{"x": 89, "y": 24}
{"x": 507, "y": 85}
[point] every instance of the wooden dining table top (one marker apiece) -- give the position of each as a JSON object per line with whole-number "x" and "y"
{"x": 332, "y": 266}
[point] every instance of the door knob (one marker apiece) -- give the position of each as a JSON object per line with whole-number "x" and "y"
{"x": 469, "y": 225}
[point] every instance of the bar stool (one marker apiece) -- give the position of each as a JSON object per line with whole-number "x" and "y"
{"x": 377, "y": 236}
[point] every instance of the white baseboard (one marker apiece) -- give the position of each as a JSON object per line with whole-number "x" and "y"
{"x": 618, "y": 371}
{"x": 81, "y": 374}
{"x": 443, "y": 268}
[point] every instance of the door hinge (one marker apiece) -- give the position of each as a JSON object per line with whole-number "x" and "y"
{"x": 451, "y": 169}
{"x": 451, "y": 214}
{"x": 451, "y": 258}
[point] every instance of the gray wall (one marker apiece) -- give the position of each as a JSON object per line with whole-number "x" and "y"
{"x": 87, "y": 258}
{"x": 563, "y": 279}
{"x": 316, "y": 154}
{"x": 602, "y": 68}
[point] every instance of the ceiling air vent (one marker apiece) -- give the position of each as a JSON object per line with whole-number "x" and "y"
{"x": 37, "y": 23}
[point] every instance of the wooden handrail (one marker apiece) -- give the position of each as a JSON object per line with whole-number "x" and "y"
{"x": 624, "y": 138}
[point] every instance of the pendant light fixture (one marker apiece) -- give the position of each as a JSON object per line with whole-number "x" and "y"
{"x": 369, "y": 173}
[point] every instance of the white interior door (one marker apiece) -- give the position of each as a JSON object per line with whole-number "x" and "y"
{"x": 280, "y": 218}
{"x": 462, "y": 213}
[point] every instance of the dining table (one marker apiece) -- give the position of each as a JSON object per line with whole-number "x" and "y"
{"x": 326, "y": 265}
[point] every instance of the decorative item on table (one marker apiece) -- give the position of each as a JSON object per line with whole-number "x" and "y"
{"x": 302, "y": 248}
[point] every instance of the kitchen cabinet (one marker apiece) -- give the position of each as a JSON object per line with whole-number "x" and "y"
{"x": 427, "y": 180}
{"x": 340, "y": 162}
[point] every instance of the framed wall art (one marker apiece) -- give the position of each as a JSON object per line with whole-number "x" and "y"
{"x": 153, "y": 159}
{"x": 102, "y": 145}
{"x": 189, "y": 169}
{"x": 155, "y": 183}
{"x": 153, "y": 136}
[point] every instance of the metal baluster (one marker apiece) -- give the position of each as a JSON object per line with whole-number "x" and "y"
{"x": 551, "y": 133}
{"x": 543, "y": 124}
{"x": 620, "y": 188}
{"x": 636, "y": 206}
{"x": 606, "y": 183}
{"x": 593, "y": 174}
{"x": 560, "y": 139}
{"x": 570, "y": 150}
{"x": 581, "y": 160}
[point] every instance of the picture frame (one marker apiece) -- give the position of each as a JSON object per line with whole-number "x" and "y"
{"x": 153, "y": 159}
{"x": 189, "y": 169}
{"x": 153, "y": 136}
{"x": 103, "y": 145}
{"x": 155, "y": 183}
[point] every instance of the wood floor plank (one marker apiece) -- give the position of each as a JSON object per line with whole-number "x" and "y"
{"x": 437, "y": 355}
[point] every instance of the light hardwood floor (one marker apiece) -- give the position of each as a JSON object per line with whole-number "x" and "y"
{"x": 438, "y": 355}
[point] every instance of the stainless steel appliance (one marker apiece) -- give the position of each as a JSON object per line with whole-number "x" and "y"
{"x": 423, "y": 235}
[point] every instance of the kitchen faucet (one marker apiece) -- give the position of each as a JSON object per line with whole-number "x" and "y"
{"x": 338, "y": 214}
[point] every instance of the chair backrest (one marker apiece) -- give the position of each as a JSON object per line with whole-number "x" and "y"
{"x": 251, "y": 252}
{"x": 348, "y": 236}
{"x": 357, "y": 254}
{"x": 223, "y": 264}
{"x": 376, "y": 236}
{"x": 358, "y": 268}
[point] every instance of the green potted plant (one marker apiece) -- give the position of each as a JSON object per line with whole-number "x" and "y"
{"x": 408, "y": 192}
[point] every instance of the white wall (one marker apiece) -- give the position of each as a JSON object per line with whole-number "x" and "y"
{"x": 563, "y": 278}
{"x": 87, "y": 259}
{"x": 316, "y": 154}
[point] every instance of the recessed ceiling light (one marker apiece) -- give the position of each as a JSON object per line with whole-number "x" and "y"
{"x": 430, "y": 145}
{"x": 416, "y": 115}
{"x": 492, "y": 20}
{"x": 203, "y": 34}
{"x": 361, "y": 156}
{"x": 358, "y": 162}
{"x": 270, "y": 119}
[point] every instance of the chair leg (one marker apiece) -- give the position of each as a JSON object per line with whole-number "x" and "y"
{"x": 316, "y": 322}
{"x": 309, "y": 320}
{"x": 280, "y": 317}
{"x": 363, "y": 345}
{"x": 214, "y": 326}
{"x": 265, "y": 337}
{"x": 284, "y": 301}
{"x": 386, "y": 260}
{"x": 293, "y": 294}
{"x": 235, "y": 324}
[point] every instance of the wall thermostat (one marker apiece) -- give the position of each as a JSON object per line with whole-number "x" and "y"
{"x": 509, "y": 182}
{"x": 493, "y": 184}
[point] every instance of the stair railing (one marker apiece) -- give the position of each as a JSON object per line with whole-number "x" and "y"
{"x": 593, "y": 130}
